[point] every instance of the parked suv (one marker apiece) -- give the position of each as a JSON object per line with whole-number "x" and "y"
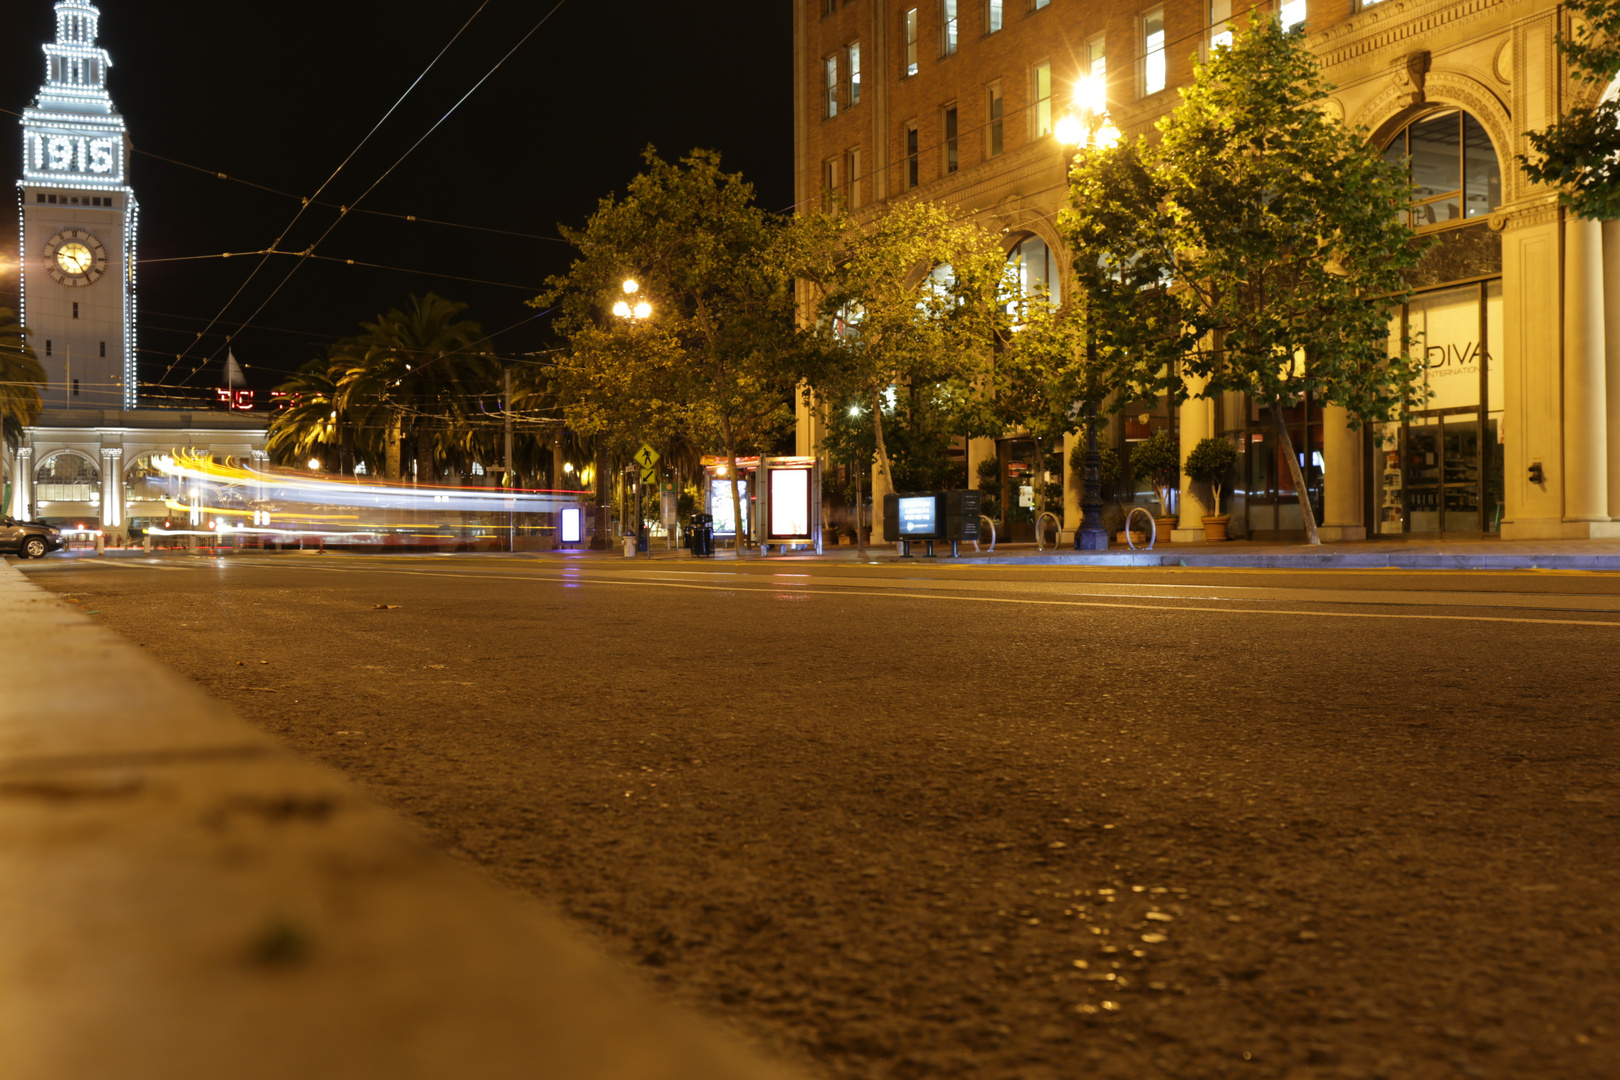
{"x": 30, "y": 539}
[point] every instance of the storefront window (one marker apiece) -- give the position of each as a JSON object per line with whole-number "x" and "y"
{"x": 1264, "y": 503}
{"x": 1439, "y": 469}
{"x": 1036, "y": 269}
{"x": 67, "y": 477}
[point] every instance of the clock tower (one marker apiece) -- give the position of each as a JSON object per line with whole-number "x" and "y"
{"x": 78, "y": 219}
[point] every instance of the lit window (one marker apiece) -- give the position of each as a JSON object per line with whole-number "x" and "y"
{"x": 911, "y": 41}
{"x": 830, "y": 181}
{"x": 1038, "y": 4}
{"x": 831, "y": 64}
{"x": 477, "y": 469}
{"x": 951, "y": 159}
{"x": 854, "y": 177}
{"x": 993, "y": 16}
{"x": 1153, "y": 62}
{"x": 993, "y": 129}
{"x": 854, "y": 74}
{"x": 1292, "y": 14}
{"x": 1036, "y": 269}
{"x": 1220, "y": 28}
{"x": 1097, "y": 65}
{"x": 1043, "y": 100}
{"x": 911, "y": 157}
{"x": 947, "y": 14}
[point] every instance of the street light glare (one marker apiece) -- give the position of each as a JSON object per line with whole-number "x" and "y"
{"x": 1069, "y": 130}
{"x": 1091, "y": 95}
{"x": 643, "y": 309}
{"x": 1108, "y": 136}
{"x": 630, "y": 285}
{"x": 622, "y": 310}
{"x": 315, "y": 463}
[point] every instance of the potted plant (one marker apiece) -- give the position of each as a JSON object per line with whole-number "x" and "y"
{"x": 1209, "y": 463}
{"x": 1159, "y": 460}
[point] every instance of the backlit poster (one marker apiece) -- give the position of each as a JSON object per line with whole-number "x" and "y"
{"x": 572, "y": 524}
{"x": 790, "y": 503}
{"x": 916, "y": 515}
{"x": 725, "y": 519}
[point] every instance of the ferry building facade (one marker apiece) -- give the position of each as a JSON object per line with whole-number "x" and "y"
{"x": 1518, "y": 301}
{"x": 88, "y": 462}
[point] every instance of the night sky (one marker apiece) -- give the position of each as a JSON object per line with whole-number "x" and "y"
{"x": 279, "y": 94}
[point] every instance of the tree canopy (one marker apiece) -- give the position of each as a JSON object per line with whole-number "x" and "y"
{"x": 1257, "y": 245}
{"x": 1580, "y": 154}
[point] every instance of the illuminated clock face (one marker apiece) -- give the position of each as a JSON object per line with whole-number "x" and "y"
{"x": 75, "y": 258}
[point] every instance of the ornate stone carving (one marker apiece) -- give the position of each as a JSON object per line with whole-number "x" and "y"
{"x": 1411, "y": 72}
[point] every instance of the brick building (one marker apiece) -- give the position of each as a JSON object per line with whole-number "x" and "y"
{"x": 1519, "y": 303}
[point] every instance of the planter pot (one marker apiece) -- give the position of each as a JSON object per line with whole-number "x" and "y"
{"x": 1164, "y": 525}
{"x": 1215, "y": 527}
{"x": 1137, "y": 538}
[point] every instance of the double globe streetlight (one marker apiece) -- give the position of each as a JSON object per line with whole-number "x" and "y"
{"x": 637, "y": 311}
{"x": 633, "y": 312}
{"x": 1086, "y": 128}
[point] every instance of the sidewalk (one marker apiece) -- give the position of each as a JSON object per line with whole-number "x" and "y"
{"x": 183, "y": 899}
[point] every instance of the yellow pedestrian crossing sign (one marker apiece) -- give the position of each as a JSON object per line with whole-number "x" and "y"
{"x": 646, "y": 457}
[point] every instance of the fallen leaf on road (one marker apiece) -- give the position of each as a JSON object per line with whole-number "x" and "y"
{"x": 386, "y": 607}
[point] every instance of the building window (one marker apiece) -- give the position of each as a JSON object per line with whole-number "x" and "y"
{"x": 47, "y": 348}
{"x": 830, "y": 182}
{"x": 912, "y": 175}
{"x": 1220, "y": 27}
{"x": 993, "y": 12}
{"x": 947, "y": 27}
{"x": 853, "y": 178}
{"x": 75, "y": 309}
{"x": 994, "y": 128}
{"x": 831, "y": 66}
{"x": 1036, "y": 269}
{"x": 1292, "y": 14}
{"x": 854, "y": 55}
{"x": 1042, "y": 113}
{"x": 911, "y": 41}
{"x": 1453, "y": 165}
{"x": 1097, "y": 67}
{"x": 1036, "y": 5}
{"x": 828, "y": 7}
{"x": 103, "y": 348}
{"x": 75, "y": 387}
{"x": 1154, "y": 71}
{"x": 951, "y": 158}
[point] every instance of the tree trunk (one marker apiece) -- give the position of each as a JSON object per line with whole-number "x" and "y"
{"x": 1287, "y": 445}
{"x": 736, "y": 499}
{"x": 391, "y": 460}
{"x": 599, "y": 540}
{"x": 860, "y": 504}
{"x": 424, "y": 461}
{"x": 882, "y": 447}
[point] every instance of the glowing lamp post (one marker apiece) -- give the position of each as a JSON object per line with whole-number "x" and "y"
{"x": 1088, "y": 128}
{"x": 633, "y": 312}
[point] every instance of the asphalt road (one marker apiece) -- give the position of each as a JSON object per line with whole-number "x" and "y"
{"x": 901, "y": 821}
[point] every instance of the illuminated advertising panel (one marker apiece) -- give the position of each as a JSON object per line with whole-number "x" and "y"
{"x": 725, "y": 518}
{"x": 918, "y": 515}
{"x": 573, "y": 524}
{"x": 790, "y": 504}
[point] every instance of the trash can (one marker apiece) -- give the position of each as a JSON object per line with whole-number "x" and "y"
{"x": 702, "y": 531}
{"x": 642, "y": 539}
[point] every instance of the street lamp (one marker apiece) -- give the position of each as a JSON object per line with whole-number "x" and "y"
{"x": 1087, "y": 127}
{"x": 633, "y": 313}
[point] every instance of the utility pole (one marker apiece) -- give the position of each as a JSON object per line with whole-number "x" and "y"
{"x": 511, "y": 472}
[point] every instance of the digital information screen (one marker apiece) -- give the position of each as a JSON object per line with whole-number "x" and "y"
{"x": 917, "y": 515}
{"x": 573, "y": 524}
{"x": 790, "y": 503}
{"x": 725, "y": 521}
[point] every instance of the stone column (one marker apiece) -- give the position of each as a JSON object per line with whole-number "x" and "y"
{"x": 1074, "y": 484}
{"x": 978, "y": 450}
{"x": 1342, "y": 503}
{"x": 22, "y": 484}
{"x": 1586, "y": 448}
{"x": 112, "y": 488}
{"x": 1611, "y": 348}
{"x": 1196, "y": 425}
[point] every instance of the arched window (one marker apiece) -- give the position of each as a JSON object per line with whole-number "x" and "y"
{"x": 145, "y": 482}
{"x": 1455, "y": 173}
{"x": 67, "y": 477}
{"x": 1036, "y": 267}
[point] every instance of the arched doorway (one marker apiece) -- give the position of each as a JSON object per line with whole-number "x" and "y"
{"x": 67, "y": 488}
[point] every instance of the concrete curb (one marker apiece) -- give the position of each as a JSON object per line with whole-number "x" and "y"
{"x": 181, "y": 897}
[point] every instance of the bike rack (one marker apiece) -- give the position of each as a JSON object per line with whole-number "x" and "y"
{"x": 984, "y": 523}
{"x": 1040, "y": 544}
{"x": 1152, "y": 528}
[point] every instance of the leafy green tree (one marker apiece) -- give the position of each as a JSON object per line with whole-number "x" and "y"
{"x": 1580, "y": 154}
{"x": 1258, "y": 244}
{"x": 1210, "y": 462}
{"x": 22, "y": 378}
{"x": 714, "y": 360}
{"x": 881, "y": 333}
{"x": 1157, "y": 459}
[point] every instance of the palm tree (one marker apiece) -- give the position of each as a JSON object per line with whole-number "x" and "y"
{"x": 21, "y": 376}
{"x": 419, "y": 371}
{"x": 308, "y": 425}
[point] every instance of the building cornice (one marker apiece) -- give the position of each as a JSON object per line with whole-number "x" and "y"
{"x": 1389, "y": 24}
